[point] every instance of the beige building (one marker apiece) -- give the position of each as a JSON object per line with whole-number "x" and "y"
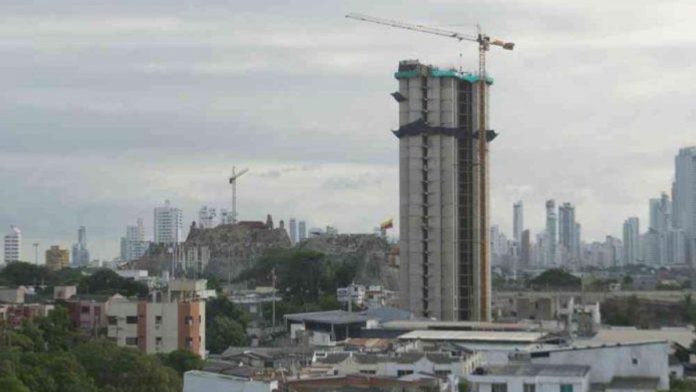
{"x": 158, "y": 327}
{"x": 57, "y": 258}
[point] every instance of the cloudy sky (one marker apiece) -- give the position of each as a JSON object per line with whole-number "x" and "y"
{"x": 109, "y": 108}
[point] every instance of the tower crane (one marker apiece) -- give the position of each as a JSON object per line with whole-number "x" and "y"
{"x": 233, "y": 181}
{"x": 484, "y": 44}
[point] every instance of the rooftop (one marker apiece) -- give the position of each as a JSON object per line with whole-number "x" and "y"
{"x": 474, "y": 336}
{"x": 455, "y": 325}
{"x": 682, "y": 336}
{"x": 328, "y": 317}
{"x": 535, "y": 370}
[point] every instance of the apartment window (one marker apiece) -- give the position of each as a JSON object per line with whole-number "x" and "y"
{"x": 158, "y": 340}
{"x": 442, "y": 373}
{"x": 529, "y": 388}
{"x": 566, "y": 388}
{"x": 634, "y": 361}
{"x": 368, "y": 372}
{"x": 189, "y": 342}
{"x": 188, "y": 320}
{"x": 158, "y": 319}
{"x": 401, "y": 373}
{"x": 499, "y": 387}
{"x": 131, "y": 341}
{"x": 112, "y": 320}
{"x": 132, "y": 320}
{"x": 84, "y": 309}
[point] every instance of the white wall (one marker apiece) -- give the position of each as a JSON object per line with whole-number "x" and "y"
{"x": 612, "y": 361}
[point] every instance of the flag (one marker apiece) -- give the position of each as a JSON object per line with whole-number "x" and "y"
{"x": 387, "y": 224}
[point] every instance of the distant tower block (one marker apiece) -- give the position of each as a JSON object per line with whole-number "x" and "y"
{"x": 443, "y": 272}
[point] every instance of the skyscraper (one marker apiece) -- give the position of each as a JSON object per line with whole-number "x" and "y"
{"x": 168, "y": 224}
{"x": 13, "y": 245}
{"x": 684, "y": 214}
{"x": 567, "y": 235}
{"x": 80, "y": 253}
{"x": 302, "y": 231}
{"x": 526, "y": 249}
{"x": 444, "y": 229}
{"x": 292, "y": 227}
{"x": 517, "y": 221}
{"x": 631, "y": 241}
{"x": 551, "y": 232}
{"x": 133, "y": 245}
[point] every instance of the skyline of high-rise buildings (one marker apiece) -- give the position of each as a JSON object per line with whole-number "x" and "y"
{"x": 445, "y": 265}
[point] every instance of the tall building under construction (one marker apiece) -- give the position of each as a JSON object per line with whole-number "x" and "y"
{"x": 444, "y": 228}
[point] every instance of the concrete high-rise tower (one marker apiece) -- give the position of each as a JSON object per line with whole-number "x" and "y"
{"x": 551, "y": 232}
{"x": 13, "y": 245}
{"x": 684, "y": 203}
{"x": 567, "y": 231}
{"x": 631, "y": 241}
{"x": 302, "y": 231}
{"x": 444, "y": 230}
{"x": 517, "y": 221}
{"x": 168, "y": 224}
{"x": 292, "y": 227}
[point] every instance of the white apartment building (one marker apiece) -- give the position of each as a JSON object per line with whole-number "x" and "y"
{"x": 13, "y": 245}
{"x": 133, "y": 245}
{"x": 158, "y": 327}
{"x": 168, "y": 224}
{"x": 442, "y": 364}
{"x": 527, "y": 377}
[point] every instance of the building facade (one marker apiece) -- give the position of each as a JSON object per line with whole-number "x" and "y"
{"x": 302, "y": 231}
{"x": 168, "y": 224}
{"x": 568, "y": 232}
{"x": 517, "y": 221}
{"x": 443, "y": 193}
{"x": 158, "y": 327}
{"x": 631, "y": 241}
{"x": 13, "y": 245}
{"x": 292, "y": 227}
{"x": 56, "y": 258}
{"x": 80, "y": 253}
{"x": 684, "y": 213}
{"x": 551, "y": 232}
{"x": 133, "y": 245}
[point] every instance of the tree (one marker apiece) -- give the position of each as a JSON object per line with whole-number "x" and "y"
{"x": 223, "y": 333}
{"x": 12, "y": 384}
{"x": 22, "y": 273}
{"x": 557, "y": 279}
{"x": 116, "y": 368}
{"x": 106, "y": 281}
{"x": 182, "y": 361}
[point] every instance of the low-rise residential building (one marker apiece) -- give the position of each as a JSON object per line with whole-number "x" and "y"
{"x": 89, "y": 312}
{"x": 64, "y": 293}
{"x": 528, "y": 377}
{"x": 182, "y": 289}
{"x": 15, "y": 314}
{"x": 12, "y": 295}
{"x": 199, "y": 381}
{"x": 441, "y": 364}
{"x": 362, "y": 382}
{"x": 158, "y": 327}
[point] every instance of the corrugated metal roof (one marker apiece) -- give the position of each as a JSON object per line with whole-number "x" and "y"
{"x": 534, "y": 370}
{"x": 328, "y": 317}
{"x": 474, "y": 336}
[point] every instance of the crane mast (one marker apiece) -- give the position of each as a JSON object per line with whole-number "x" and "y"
{"x": 484, "y": 44}
{"x": 233, "y": 181}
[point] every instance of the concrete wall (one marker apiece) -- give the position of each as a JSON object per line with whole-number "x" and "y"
{"x": 543, "y": 384}
{"x": 196, "y": 381}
